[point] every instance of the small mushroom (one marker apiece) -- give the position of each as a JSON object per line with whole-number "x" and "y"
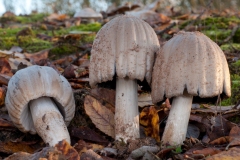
{"x": 124, "y": 47}
{"x": 39, "y": 100}
{"x": 88, "y": 14}
{"x": 190, "y": 64}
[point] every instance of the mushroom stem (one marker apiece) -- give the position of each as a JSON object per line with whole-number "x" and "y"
{"x": 177, "y": 122}
{"x": 48, "y": 121}
{"x": 126, "y": 110}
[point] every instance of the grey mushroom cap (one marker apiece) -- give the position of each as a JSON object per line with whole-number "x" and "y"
{"x": 125, "y": 46}
{"x": 34, "y": 82}
{"x": 191, "y": 61}
{"x": 87, "y": 13}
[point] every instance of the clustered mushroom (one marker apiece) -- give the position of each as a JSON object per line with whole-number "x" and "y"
{"x": 190, "y": 64}
{"x": 124, "y": 47}
{"x": 39, "y": 100}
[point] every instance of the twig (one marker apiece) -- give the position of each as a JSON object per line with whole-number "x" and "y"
{"x": 166, "y": 29}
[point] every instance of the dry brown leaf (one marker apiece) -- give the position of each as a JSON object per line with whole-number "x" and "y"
{"x": 5, "y": 68}
{"x": 107, "y": 95}
{"x": 36, "y": 57}
{"x": 102, "y": 117}
{"x": 2, "y": 95}
{"x": 231, "y": 154}
{"x": 207, "y": 151}
{"x": 150, "y": 120}
{"x": 82, "y": 146}
{"x": 67, "y": 150}
{"x": 221, "y": 140}
{"x": 12, "y": 147}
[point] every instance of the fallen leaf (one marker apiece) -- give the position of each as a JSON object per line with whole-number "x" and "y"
{"x": 102, "y": 117}
{"x": 62, "y": 150}
{"x": 150, "y": 120}
{"x": 231, "y": 154}
{"x": 15, "y": 62}
{"x": 5, "y": 68}
{"x": 82, "y": 146}
{"x": 2, "y": 95}
{"x": 4, "y": 79}
{"x": 69, "y": 72}
{"x": 12, "y": 147}
{"x": 36, "y": 57}
{"x": 67, "y": 150}
{"x": 85, "y": 133}
{"x": 207, "y": 151}
{"x": 76, "y": 85}
{"x": 221, "y": 140}
{"x": 218, "y": 127}
{"x": 107, "y": 95}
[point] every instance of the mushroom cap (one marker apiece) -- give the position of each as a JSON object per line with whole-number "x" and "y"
{"x": 34, "y": 82}
{"x": 191, "y": 61}
{"x": 88, "y": 13}
{"x": 127, "y": 45}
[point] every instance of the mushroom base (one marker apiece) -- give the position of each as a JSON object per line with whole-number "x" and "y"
{"x": 48, "y": 121}
{"x": 126, "y": 110}
{"x": 177, "y": 122}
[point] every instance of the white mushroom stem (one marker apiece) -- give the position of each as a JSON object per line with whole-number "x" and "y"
{"x": 177, "y": 122}
{"x": 48, "y": 121}
{"x": 126, "y": 110}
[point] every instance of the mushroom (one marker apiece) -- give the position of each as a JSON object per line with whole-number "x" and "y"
{"x": 190, "y": 64}
{"x": 39, "y": 100}
{"x": 88, "y": 14}
{"x": 124, "y": 47}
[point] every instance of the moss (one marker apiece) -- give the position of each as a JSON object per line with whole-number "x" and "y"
{"x": 236, "y": 37}
{"x": 9, "y": 32}
{"x": 31, "y": 44}
{"x": 213, "y": 23}
{"x": 61, "y": 51}
{"x": 8, "y": 42}
{"x": 217, "y": 35}
{"x": 31, "y": 18}
{"x": 235, "y": 92}
{"x": 230, "y": 47}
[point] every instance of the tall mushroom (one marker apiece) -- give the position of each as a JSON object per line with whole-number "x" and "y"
{"x": 190, "y": 64}
{"x": 124, "y": 47}
{"x": 40, "y": 100}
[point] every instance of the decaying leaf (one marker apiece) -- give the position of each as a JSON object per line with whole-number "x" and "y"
{"x": 5, "y": 68}
{"x": 62, "y": 150}
{"x": 4, "y": 79}
{"x": 83, "y": 146}
{"x": 233, "y": 153}
{"x": 207, "y": 151}
{"x": 150, "y": 120}
{"x": 67, "y": 150}
{"x": 13, "y": 147}
{"x": 107, "y": 96}
{"x": 2, "y": 95}
{"x": 221, "y": 140}
{"x": 85, "y": 133}
{"x": 36, "y": 57}
{"x": 102, "y": 117}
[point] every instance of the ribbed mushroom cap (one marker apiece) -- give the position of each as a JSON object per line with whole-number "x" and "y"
{"x": 34, "y": 82}
{"x": 126, "y": 45}
{"x": 193, "y": 61}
